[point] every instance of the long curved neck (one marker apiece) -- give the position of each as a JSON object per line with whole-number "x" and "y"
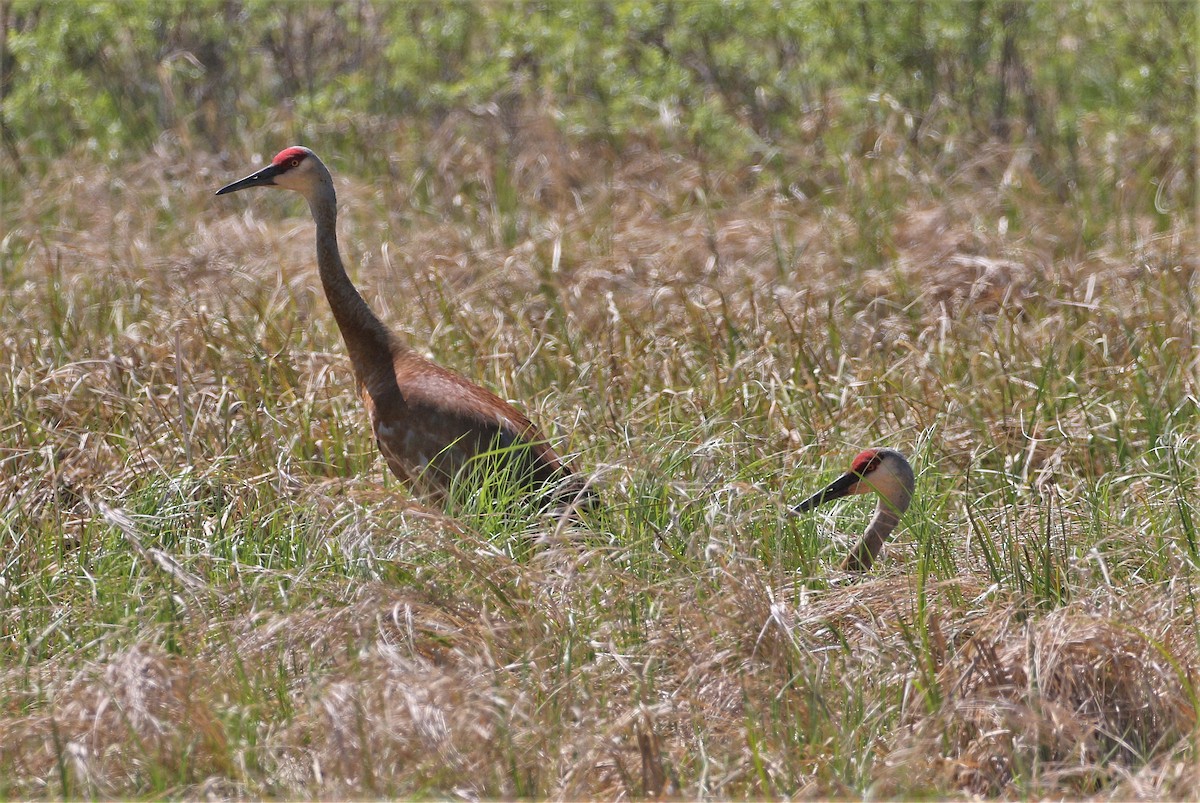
{"x": 867, "y": 550}
{"x": 887, "y": 516}
{"x": 367, "y": 339}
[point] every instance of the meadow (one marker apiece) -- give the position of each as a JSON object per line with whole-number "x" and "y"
{"x": 210, "y": 585}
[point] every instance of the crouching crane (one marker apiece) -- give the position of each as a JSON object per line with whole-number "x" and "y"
{"x": 436, "y": 429}
{"x": 885, "y": 472}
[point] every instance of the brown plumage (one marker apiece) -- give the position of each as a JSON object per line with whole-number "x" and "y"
{"x": 434, "y": 427}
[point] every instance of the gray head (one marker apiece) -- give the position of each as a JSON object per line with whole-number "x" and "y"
{"x": 296, "y": 168}
{"x": 882, "y": 471}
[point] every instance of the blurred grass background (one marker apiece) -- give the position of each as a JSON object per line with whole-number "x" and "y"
{"x": 740, "y": 82}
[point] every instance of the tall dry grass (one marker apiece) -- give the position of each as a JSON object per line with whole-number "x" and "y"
{"x": 210, "y": 586}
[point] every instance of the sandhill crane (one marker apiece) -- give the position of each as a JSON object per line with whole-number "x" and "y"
{"x": 882, "y": 471}
{"x": 434, "y": 427}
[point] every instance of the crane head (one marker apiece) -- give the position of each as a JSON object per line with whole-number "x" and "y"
{"x": 292, "y": 168}
{"x": 882, "y": 471}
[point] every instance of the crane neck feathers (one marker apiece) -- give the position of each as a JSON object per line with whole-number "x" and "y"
{"x": 367, "y": 338}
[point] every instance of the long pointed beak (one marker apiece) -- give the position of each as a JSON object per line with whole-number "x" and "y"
{"x": 261, "y": 178}
{"x": 842, "y": 486}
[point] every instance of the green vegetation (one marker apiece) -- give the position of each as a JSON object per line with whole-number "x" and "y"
{"x": 713, "y": 249}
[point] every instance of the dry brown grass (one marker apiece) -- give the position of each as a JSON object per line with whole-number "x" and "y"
{"x": 703, "y": 338}
{"x": 1087, "y": 699}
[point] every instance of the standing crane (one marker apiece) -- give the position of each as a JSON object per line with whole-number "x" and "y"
{"x": 435, "y": 428}
{"x": 885, "y": 472}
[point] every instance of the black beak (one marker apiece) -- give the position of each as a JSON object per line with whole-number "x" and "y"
{"x": 263, "y": 178}
{"x": 840, "y": 487}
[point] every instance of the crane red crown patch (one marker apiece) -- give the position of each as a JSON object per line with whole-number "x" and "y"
{"x": 867, "y": 461}
{"x": 288, "y": 155}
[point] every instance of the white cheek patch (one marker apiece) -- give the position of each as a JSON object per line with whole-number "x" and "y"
{"x": 288, "y": 180}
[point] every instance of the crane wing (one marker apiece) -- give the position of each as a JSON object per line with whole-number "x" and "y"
{"x": 431, "y": 422}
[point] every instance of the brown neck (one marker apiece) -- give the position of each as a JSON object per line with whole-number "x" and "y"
{"x": 367, "y": 339}
{"x": 867, "y": 550}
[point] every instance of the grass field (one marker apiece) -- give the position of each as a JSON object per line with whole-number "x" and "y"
{"x": 210, "y": 585}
